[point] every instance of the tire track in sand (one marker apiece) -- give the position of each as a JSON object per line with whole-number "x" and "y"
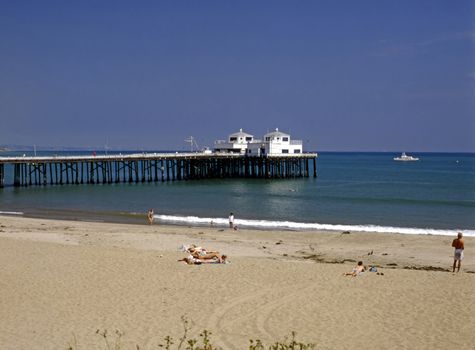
{"x": 260, "y": 314}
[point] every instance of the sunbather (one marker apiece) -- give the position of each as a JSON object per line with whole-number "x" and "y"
{"x": 191, "y": 260}
{"x": 203, "y": 255}
{"x": 358, "y": 269}
{"x": 200, "y": 251}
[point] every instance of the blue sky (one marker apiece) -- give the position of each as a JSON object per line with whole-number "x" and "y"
{"x": 340, "y": 75}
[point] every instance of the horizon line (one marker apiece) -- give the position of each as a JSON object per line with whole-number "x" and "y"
{"x": 19, "y": 148}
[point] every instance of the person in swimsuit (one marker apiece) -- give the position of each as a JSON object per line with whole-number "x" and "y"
{"x": 458, "y": 253}
{"x": 359, "y": 268}
{"x": 150, "y": 216}
{"x": 205, "y": 255}
{"x": 191, "y": 260}
{"x": 194, "y": 250}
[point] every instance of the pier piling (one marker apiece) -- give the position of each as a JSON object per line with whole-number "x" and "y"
{"x": 141, "y": 168}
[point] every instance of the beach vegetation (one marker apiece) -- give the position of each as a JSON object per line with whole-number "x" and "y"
{"x": 112, "y": 341}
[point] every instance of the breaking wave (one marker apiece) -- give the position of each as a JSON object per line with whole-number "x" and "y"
{"x": 11, "y": 213}
{"x": 290, "y": 225}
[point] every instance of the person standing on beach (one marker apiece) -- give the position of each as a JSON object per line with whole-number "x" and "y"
{"x": 458, "y": 254}
{"x": 231, "y": 220}
{"x": 150, "y": 216}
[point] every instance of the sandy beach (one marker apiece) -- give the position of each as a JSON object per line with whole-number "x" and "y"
{"x": 61, "y": 281}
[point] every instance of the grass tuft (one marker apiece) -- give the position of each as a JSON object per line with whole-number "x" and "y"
{"x": 203, "y": 342}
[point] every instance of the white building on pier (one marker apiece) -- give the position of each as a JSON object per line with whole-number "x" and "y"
{"x": 273, "y": 143}
{"x": 236, "y": 143}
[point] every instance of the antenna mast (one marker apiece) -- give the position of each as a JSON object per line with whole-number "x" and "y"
{"x": 192, "y": 141}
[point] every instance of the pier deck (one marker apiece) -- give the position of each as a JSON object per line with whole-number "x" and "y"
{"x": 151, "y": 167}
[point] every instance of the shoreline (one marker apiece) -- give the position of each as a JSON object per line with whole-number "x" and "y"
{"x": 61, "y": 277}
{"x": 247, "y": 224}
{"x": 388, "y": 250}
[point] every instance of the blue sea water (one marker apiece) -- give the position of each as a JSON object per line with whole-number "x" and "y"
{"x": 353, "y": 191}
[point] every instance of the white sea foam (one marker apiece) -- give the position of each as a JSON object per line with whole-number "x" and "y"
{"x": 289, "y": 225}
{"x": 11, "y": 213}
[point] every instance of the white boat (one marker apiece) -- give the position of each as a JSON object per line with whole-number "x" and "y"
{"x": 405, "y": 158}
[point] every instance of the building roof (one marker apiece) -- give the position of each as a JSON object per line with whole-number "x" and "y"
{"x": 276, "y": 133}
{"x": 240, "y": 133}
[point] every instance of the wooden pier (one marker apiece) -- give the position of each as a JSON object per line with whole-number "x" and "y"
{"x": 152, "y": 167}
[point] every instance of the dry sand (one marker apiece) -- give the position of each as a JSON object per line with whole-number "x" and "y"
{"x": 63, "y": 280}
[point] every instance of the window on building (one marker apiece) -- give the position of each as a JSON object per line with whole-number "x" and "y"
{"x": 248, "y": 138}
{"x": 296, "y": 151}
{"x": 285, "y": 139}
{"x": 233, "y": 139}
{"x": 285, "y": 151}
{"x": 268, "y": 138}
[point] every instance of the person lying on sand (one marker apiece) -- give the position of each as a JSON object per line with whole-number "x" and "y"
{"x": 358, "y": 269}
{"x": 203, "y": 254}
{"x": 194, "y": 250}
{"x": 191, "y": 260}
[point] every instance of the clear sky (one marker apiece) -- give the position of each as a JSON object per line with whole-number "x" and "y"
{"x": 340, "y": 75}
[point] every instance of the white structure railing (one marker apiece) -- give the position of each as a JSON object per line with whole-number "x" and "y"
{"x": 296, "y": 142}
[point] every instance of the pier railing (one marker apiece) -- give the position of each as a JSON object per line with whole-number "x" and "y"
{"x": 151, "y": 167}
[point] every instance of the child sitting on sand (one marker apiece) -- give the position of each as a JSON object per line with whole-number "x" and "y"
{"x": 358, "y": 269}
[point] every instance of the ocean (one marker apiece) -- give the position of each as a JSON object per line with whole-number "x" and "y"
{"x": 353, "y": 191}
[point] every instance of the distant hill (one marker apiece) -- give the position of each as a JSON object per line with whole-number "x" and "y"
{"x": 23, "y": 148}
{"x": 18, "y": 148}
